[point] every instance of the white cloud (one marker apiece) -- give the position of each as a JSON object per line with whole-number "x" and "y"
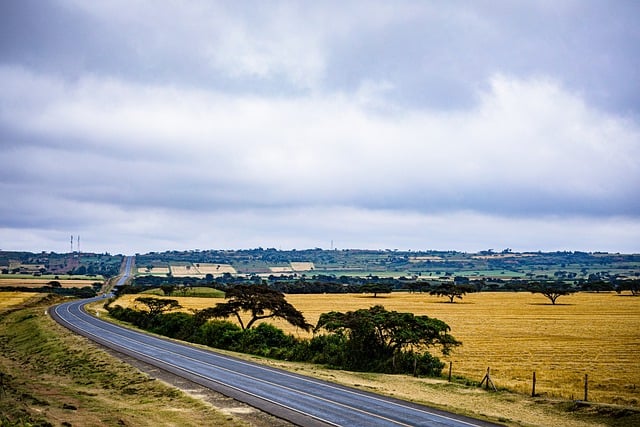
{"x": 147, "y": 167}
{"x": 284, "y": 124}
{"x": 523, "y": 139}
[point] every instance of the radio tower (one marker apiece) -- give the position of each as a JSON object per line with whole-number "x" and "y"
{"x": 72, "y": 243}
{"x": 78, "y": 243}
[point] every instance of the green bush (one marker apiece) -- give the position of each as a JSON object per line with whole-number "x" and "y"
{"x": 219, "y": 334}
{"x": 265, "y": 340}
{"x": 175, "y": 325}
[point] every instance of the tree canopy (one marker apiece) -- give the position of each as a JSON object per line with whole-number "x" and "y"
{"x": 632, "y": 286}
{"x": 260, "y": 302}
{"x": 551, "y": 290}
{"x": 375, "y": 335}
{"x": 452, "y": 290}
{"x": 375, "y": 289}
{"x": 158, "y": 305}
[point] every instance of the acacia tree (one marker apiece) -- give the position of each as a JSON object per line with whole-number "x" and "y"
{"x": 452, "y": 290}
{"x": 375, "y": 289}
{"x": 260, "y": 302}
{"x": 158, "y": 306}
{"x": 629, "y": 285}
{"x": 551, "y": 290}
{"x": 376, "y": 335}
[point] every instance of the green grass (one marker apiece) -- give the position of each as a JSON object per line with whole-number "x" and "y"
{"x": 53, "y": 377}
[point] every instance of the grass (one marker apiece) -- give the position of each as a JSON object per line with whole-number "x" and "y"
{"x": 516, "y": 334}
{"x": 53, "y": 377}
{"x": 37, "y": 282}
{"x": 48, "y": 277}
{"x": 10, "y": 299}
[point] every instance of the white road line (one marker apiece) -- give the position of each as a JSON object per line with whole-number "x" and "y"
{"x": 259, "y": 367}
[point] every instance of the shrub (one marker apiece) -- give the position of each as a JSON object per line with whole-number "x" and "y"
{"x": 219, "y": 334}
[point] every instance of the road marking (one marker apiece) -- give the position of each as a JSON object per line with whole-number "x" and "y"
{"x": 210, "y": 354}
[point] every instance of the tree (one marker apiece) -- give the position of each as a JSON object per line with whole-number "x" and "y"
{"x": 551, "y": 290}
{"x": 629, "y": 285}
{"x": 598, "y": 286}
{"x": 184, "y": 290}
{"x": 167, "y": 289}
{"x": 260, "y": 302}
{"x": 377, "y": 336}
{"x": 375, "y": 289}
{"x": 452, "y": 290}
{"x": 158, "y": 306}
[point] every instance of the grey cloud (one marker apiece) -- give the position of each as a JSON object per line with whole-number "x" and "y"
{"x": 370, "y": 123}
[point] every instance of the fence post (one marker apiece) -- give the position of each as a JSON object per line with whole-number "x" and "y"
{"x": 487, "y": 378}
{"x": 450, "y": 365}
{"x": 586, "y": 387}
{"x": 533, "y": 388}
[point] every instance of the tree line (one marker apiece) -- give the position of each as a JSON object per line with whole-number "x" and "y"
{"x": 372, "y": 340}
{"x": 452, "y": 289}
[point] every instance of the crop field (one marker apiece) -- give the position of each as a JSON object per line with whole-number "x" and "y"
{"x": 8, "y": 299}
{"x": 302, "y": 266}
{"x": 215, "y": 269}
{"x": 515, "y": 334}
{"x": 184, "y": 271}
{"x": 153, "y": 270}
{"x": 39, "y": 282}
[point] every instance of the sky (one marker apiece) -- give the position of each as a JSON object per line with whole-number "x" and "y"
{"x": 144, "y": 125}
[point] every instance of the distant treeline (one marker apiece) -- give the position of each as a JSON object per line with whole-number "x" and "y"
{"x": 84, "y": 292}
{"x": 318, "y": 284}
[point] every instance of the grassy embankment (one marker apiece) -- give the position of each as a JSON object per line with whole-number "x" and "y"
{"x": 51, "y": 377}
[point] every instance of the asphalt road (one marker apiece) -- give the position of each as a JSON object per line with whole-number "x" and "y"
{"x": 301, "y": 400}
{"x": 127, "y": 272}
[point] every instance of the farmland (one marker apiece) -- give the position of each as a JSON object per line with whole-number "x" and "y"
{"x": 39, "y": 282}
{"x": 9, "y": 299}
{"x": 515, "y": 334}
{"x": 390, "y": 263}
{"x": 187, "y": 270}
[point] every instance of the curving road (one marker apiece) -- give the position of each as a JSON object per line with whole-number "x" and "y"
{"x": 302, "y": 400}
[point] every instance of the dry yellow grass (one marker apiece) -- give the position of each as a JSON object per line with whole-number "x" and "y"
{"x": 8, "y": 299}
{"x": 184, "y": 271}
{"x": 516, "y": 334}
{"x": 215, "y": 269}
{"x": 302, "y": 266}
{"x": 281, "y": 270}
{"x": 153, "y": 270}
{"x": 36, "y": 283}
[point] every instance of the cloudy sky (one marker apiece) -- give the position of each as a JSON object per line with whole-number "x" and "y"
{"x": 154, "y": 125}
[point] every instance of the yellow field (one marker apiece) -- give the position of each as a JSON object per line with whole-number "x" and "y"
{"x": 516, "y": 334}
{"x": 36, "y": 283}
{"x": 281, "y": 270}
{"x": 302, "y": 266}
{"x": 7, "y": 299}
{"x": 184, "y": 271}
{"x": 215, "y": 269}
{"x": 154, "y": 270}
